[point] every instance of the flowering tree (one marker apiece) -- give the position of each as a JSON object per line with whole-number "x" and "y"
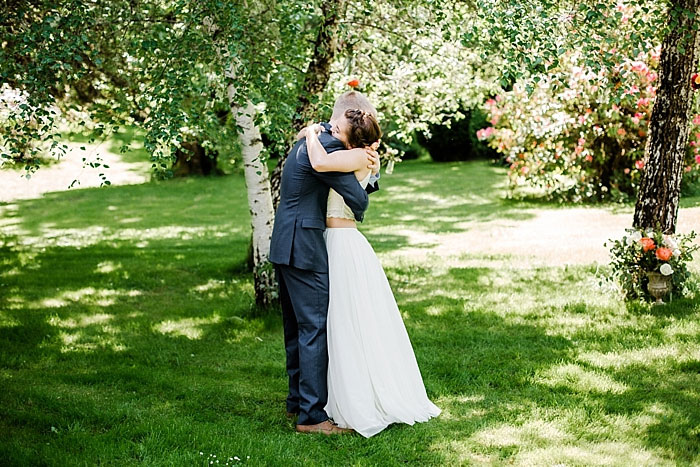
{"x": 535, "y": 35}
{"x": 579, "y": 141}
{"x": 408, "y": 58}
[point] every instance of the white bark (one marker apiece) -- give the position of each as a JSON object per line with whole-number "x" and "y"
{"x": 257, "y": 183}
{"x": 256, "y": 179}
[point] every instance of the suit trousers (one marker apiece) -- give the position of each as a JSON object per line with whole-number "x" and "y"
{"x": 304, "y": 300}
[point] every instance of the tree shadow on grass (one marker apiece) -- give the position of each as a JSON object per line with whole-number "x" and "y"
{"x": 120, "y": 369}
{"x": 495, "y": 374}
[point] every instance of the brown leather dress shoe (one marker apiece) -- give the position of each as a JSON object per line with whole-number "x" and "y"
{"x": 325, "y": 428}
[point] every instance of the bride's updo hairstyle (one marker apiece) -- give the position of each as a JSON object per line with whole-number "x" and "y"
{"x": 363, "y": 129}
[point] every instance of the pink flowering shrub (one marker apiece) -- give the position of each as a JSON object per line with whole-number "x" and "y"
{"x": 583, "y": 140}
{"x": 691, "y": 175}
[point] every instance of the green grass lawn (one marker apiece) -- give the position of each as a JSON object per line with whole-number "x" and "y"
{"x": 128, "y": 335}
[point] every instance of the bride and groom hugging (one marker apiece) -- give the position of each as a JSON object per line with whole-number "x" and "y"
{"x": 350, "y": 363}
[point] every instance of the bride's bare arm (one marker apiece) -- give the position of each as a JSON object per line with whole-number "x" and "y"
{"x": 348, "y": 160}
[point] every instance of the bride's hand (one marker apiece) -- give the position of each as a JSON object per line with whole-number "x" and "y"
{"x": 314, "y": 128}
{"x": 303, "y": 132}
{"x": 373, "y": 159}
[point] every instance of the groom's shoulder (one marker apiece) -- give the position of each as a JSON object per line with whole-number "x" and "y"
{"x": 298, "y": 152}
{"x": 329, "y": 142}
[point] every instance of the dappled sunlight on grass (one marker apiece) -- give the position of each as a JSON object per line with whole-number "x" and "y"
{"x": 535, "y": 432}
{"x": 8, "y": 321}
{"x": 597, "y": 453}
{"x": 678, "y": 353}
{"x": 87, "y": 295}
{"x": 107, "y": 267}
{"x": 78, "y": 340}
{"x": 580, "y": 380}
{"x": 187, "y": 327}
{"x": 80, "y": 321}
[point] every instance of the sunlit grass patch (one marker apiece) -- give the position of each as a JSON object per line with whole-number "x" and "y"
{"x": 187, "y": 327}
{"x": 578, "y": 379}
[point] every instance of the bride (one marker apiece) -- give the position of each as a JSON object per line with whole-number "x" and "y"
{"x": 373, "y": 376}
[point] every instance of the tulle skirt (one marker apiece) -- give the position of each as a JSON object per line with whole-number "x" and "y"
{"x": 373, "y": 376}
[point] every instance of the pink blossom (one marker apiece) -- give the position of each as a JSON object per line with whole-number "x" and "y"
{"x": 640, "y": 67}
{"x": 581, "y": 119}
{"x": 639, "y": 165}
{"x": 621, "y": 131}
{"x": 579, "y": 149}
{"x": 696, "y": 120}
{"x": 652, "y": 76}
{"x": 688, "y": 168}
{"x": 485, "y": 133}
{"x": 627, "y": 170}
{"x": 589, "y": 158}
{"x": 499, "y": 98}
{"x": 581, "y": 141}
{"x": 633, "y": 90}
{"x": 494, "y": 119}
{"x": 525, "y": 169}
{"x": 643, "y": 102}
{"x": 635, "y": 120}
{"x": 697, "y": 158}
{"x": 490, "y": 103}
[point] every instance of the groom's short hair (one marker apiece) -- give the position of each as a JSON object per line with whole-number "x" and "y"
{"x": 352, "y": 100}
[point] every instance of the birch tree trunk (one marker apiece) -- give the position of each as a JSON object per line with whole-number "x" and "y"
{"x": 257, "y": 181}
{"x": 259, "y": 200}
{"x": 659, "y": 191}
{"x": 315, "y": 79}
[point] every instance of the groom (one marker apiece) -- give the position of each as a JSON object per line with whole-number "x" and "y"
{"x": 298, "y": 251}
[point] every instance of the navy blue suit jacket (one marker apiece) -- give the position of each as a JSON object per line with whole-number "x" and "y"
{"x": 297, "y": 237}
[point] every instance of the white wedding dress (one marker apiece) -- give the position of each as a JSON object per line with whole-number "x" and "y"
{"x": 373, "y": 376}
